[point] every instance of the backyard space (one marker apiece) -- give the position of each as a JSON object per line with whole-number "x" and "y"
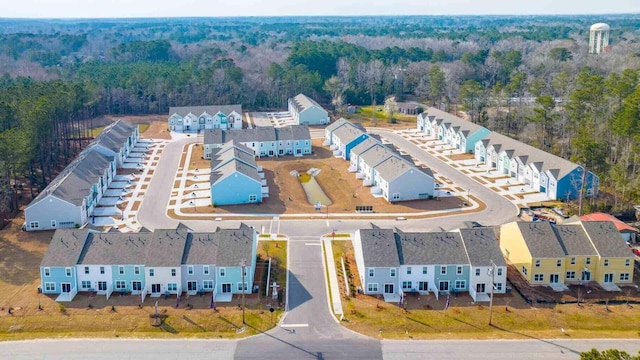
{"x": 287, "y": 196}
{"x": 425, "y": 317}
{"x": 24, "y": 313}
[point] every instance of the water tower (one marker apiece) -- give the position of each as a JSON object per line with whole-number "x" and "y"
{"x": 599, "y": 38}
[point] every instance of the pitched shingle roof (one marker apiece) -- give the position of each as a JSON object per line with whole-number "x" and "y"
{"x": 257, "y": 134}
{"x": 231, "y": 167}
{"x": 65, "y": 247}
{"x": 606, "y": 239}
{"x": 541, "y": 239}
{"x": 167, "y": 247}
{"x": 209, "y": 109}
{"x": 293, "y": 132}
{"x": 364, "y": 145}
{"x": 376, "y": 154}
{"x": 598, "y": 216}
{"x": 235, "y": 246}
{"x": 431, "y": 248}
{"x": 574, "y": 240}
{"x": 482, "y": 247}
{"x": 116, "y": 248}
{"x": 336, "y": 124}
{"x": 379, "y": 248}
{"x": 224, "y": 155}
{"x": 347, "y": 134}
{"x": 114, "y": 136}
{"x": 395, "y": 166}
{"x": 303, "y": 102}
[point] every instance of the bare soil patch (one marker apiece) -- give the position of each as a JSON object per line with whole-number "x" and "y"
{"x": 458, "y": 157}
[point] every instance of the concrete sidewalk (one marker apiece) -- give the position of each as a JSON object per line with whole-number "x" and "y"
{"x": 336, "y": 303}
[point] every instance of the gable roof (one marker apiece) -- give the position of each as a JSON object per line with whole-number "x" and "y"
{"x": 482, "y": 247}
{"x": 395, "y": 166}
{"x": 336, "y": 124}
{"x": 574, "y": 240}
{"x": 167, "y": 247}
{"x": 347, "y": 134}
{"x": 115, "y": 248}
{"x": 236, "y": 246}
{"x": 376, "y": 154}
{"x": 209, "y": 109}
{"x": 541, "y": 239}
{"x": 431, "y": 248}
{"x": 606, "y": 239}
{"x": 302, "y": 102}
{"x": 231, "y": 167}
{"x": 598, "y": 216}
{"x": 229, "y": 153}
{"x": 364, "y": 145}
{"x": 379, "y": 248}
{"x": 65, "y": 247}
{"x": 115, "y": 135}
{"x": 293, "y": 132}
{"x": 257, "y": 134}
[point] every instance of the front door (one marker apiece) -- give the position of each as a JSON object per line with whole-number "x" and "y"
{"x": 586, "y": 276}
{"x": 388, "y": 288}
{"x": 192, "y": 286}
{"x": 480, "y": 288}
{"x": 155, "y": 288}
{"x": 226, "y": 288}
{"x": 102, "y": 286}
{"x": 66, "y": 287}
{"x": 554, "y": 278}
{"x": 444, "y": 286}
{"x": 608, "y": 278}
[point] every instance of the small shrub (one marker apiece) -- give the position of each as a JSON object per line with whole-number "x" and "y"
{"x": 63, "y": 310}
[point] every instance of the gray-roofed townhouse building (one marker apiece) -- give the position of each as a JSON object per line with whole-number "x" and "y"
{"x": 307, "y": 111}
{"x": 581, "y": 257}
{"x": 264, "y": 140}
{"x": 354, "y": 157}
{"x": 487, "y": 265}
{"x": 345, "y": 138}
{"x": 293, "y": 140}
{"x": 235, "y": 182}
{"x": 615, "y": 263}
{"x": 396, "y": 179}
{"x": 58, "y": 273}
{"x": 377, "y": 261}
{"x": 329, "y": 129}
{"x": 371, "y": 158}
{"x": 199, "y": 118}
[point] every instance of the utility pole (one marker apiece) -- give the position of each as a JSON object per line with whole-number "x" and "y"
{"x": 493, "y": 274}
{"x": 243, "y": 265}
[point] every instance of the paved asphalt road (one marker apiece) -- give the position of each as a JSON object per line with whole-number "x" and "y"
{"x": 308, "y": 331}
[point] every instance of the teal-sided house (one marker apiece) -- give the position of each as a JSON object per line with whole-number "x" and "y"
{"x": 468, "y": 135}
{"x": 451, "y": 268}
{"x": 567, "y": 182}
{"x": 235, "y": 182}
{"x": 237, "y": 250}
{"x": 58, "y": 273}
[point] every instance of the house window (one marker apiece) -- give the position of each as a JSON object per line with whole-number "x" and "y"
{"x": 68, "y": 272}
{"x": 207, "y": 284}
{"x": 223, "y": 271}
{"x": 246, "y": 287}
{"x": 606, "y": 263}
{"x": 587, "y": 261}
{"x": 395, "y": 196}
{"x": 121, "y": 270}
{"x": 409, "y": 270}
{"x": 497, "y": 286}
{"x": 624, "y": 277}
{"x": 136, "y": 286}
{"x": 205, "y": 270}
{"x": 102, "y": 270}
{"x": 86, "y": 270}
{"x": 443, "y": 270}
{"x": 524, "y": 270}
{"x": 424, "y": 270}
{"x": 499, "y": 272}
{"x": 136, "y": 270}
{"x": 627, "y": 262}
{"x": 571, "y": 275}
{"x": 172, "y": 287}
{"x": 152, "y": 272}
{"x": 372, "y": 287}
{"x": 190, "y": 270}
{"x": 444, "y": 286}
{"x": 392, "y": 272}
{"x": 85, "y": 284}
{"x": 573, "y": 261}
{"x": 173, "y": 272}
{"x": 460, "y": 284}
{"x": 121, "y": 285}
{"x": 47, "y": 272}
{"x": 559, "y": 263}
{"x": 372, "y": 272}
{"x": 34, "y": 224}
{"x": 538, "y": 277}
{"x": 423, "y": 286}
{"x": 53, "y": 223}
{"x": 459, "y": 270}
{"x": 477, "y": 272}
{"x": 49, "y": 286}
{"x": 537, "y": 263}
{"x": 406, "y": 285}
{"x": 253, "y": 198}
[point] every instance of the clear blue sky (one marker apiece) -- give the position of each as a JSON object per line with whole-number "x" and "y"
{"x": 182, "y": 8}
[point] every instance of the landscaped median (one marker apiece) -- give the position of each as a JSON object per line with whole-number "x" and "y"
{"x": 424, "y": 317}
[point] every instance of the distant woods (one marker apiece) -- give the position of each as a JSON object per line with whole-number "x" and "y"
{"x": 530, "y": 78}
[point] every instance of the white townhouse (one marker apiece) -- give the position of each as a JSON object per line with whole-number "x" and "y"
{"x": 354, "y": 158}
{"x": 371, "y": 158}
{"x": 198, "y": 118}
{"x": 399, "y": 180}
{"x": 117, "y": 140}
{"x": 307, "y": 111}
{"x": 264, "y": 141}
{"x": 488, "y": 267}
{"x": 163, "y": 272}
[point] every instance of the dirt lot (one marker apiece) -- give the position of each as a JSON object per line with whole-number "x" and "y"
{"x": 286, "y": 195}
{"x": 425, "y": 317}
{"x": 157, "y": 124}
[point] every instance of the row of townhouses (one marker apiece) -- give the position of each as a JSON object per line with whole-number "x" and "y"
{"x": 236, "y": 178}
{"x": 576, "y": 251}
{"x": 537, "y": 170}
{"x": 162, "y": 262}
{"x": 392, "y": 262}
{"x": 71, "y": 197}
{"x": 198, "y": 118}
{"x": 263, "y": 141}
{"x": 390, "y": 175}
{"x": 307, "y": 111}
